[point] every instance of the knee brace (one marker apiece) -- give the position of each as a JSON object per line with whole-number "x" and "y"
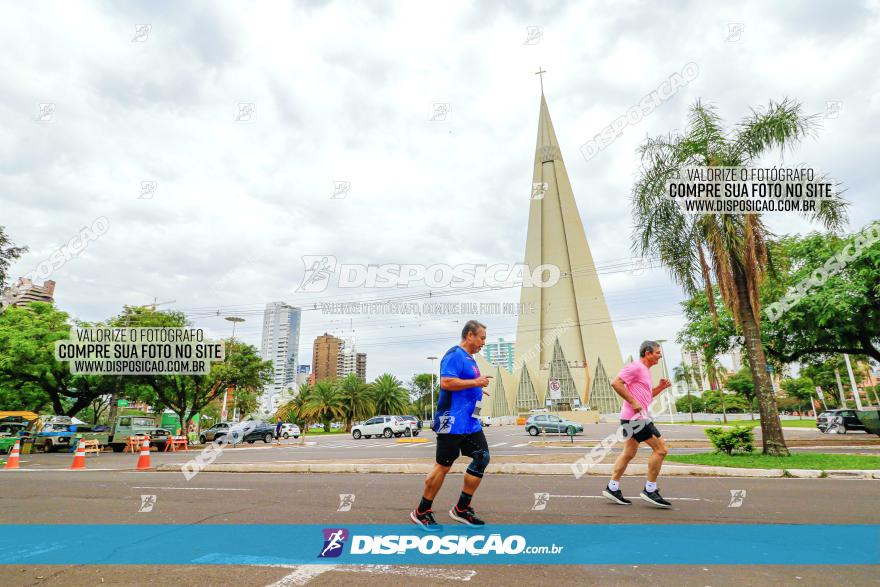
{"x": 479, "y": 464}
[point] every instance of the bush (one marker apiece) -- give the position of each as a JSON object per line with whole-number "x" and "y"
{"x": 738, "y": 438}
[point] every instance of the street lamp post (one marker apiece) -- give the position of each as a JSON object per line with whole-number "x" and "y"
{"x": 666, "y": 376}
{"x": 432, "y": 359}
{"x": 234, "y": 320}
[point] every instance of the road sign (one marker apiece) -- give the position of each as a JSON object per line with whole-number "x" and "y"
{"x": 555, "y": 389}
{"x": 122, "y": 403}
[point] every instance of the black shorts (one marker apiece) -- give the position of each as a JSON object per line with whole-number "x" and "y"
{"x": 450, "y": 446}
{"x": 646, "y": 431}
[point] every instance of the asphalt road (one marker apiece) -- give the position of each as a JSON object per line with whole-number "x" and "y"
{"x": 503, "y": 441}
{"x": 62, "y": 497}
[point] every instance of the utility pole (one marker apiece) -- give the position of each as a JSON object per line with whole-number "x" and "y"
{"x": 840, "y": 389}
{"x": 432, "y": 359}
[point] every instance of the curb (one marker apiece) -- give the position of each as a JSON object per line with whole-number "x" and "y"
{"x": 522, "y": 469}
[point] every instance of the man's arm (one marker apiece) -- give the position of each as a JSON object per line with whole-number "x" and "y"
{"x": 664, "y": 383}
{"x": 456, "y": 384}
{"x": 619, "y": 386}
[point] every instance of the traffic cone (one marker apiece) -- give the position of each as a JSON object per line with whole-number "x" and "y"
{"x": 79, "y": 459}
{"x": 12, "y": 463}
{"x": 144, "y": 458}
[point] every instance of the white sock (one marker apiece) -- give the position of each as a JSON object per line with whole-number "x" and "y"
{"x": 613, "y": 485}
{"x": 649, "y": 486}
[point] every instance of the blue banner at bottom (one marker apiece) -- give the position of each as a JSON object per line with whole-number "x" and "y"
{"x": 588, "y": 544}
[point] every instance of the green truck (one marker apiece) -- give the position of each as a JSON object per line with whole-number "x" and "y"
{"x": 61, "y": 433}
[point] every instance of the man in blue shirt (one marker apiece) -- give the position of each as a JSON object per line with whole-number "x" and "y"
{"x": 458, "y": 427}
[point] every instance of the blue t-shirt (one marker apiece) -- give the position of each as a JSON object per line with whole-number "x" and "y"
{"x": 455, "y": 409}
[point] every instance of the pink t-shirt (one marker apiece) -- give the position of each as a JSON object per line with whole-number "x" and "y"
{"x": 638, "y": 382}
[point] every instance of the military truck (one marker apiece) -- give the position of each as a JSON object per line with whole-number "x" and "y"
{"x": 62, "y": 432}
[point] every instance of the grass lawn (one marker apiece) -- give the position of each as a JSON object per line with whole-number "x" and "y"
{"x": 321, "y": 432}
{"x": 795, "y": 461}
{"x": 805, "y": 423}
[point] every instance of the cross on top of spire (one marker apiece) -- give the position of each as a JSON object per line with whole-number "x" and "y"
{"x": 540, "y": 73}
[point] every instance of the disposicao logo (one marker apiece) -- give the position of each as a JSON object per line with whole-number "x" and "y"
{"x": 334, "y": 541}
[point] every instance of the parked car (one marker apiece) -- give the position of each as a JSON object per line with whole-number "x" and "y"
{"x": 288, "y": 430}
{"x": 842, "y": 420}
{"x": 13, "y": 429}
{"x": 386, "y": 426}
{"x": 262, "y": 431}
{"x": 550, "y": 423}
{"x": 417, "y": 422}
{"x": 211, "y": 434}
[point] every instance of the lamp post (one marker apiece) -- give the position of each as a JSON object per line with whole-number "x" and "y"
{"x": 234, "y": 320}
{"x": 432, "y": 359}
{"x": 666, "y": 376}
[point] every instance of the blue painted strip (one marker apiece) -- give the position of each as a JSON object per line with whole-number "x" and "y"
{"x": 687, "y": 544}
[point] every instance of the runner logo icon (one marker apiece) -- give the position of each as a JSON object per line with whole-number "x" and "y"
{"x": 334, "y": 541}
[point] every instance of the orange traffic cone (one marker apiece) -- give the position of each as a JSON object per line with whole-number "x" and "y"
{"x": 144, "y": 458}
{"x": 79, "y": 459}
{"x": 12, "y": 462}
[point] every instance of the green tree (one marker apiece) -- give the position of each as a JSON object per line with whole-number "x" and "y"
{"x": 186, "y": 395}
{"x": 802, "y": 389}
{"x": 30, "y": 377}
{"x": 727, "y": 249}
{"x": 420, "y": 393}
{"x": 295, "y": 411}
{"x": 8, "y": 253}
{"x": 743, "y": 385}
{"x": 356, "y": 399}
{"x": 714, "y": 399}
{"x": 689, "y": 403}
{"x": 683, "y": 374}
{"x": 841, "y": 314}
{"x": 325, "y": 403}
{"x": 389, "y": 396}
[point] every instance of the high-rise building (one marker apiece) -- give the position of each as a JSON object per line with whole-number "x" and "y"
{"x": 326, "y": 357}
{"x": 351, "y": 361}
{"x": 26, "y": 291}
{"x": 281, "y": 323}
{"x": 569, "y": 340}
{"x": 699, "y": 376}
{"x": 500, "y": 354}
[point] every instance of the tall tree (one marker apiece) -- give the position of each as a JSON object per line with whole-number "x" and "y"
{"x": 186, "y": 395}
{"x": 727, "y": 249}
{"x": 682, "y": 373}
{"x": 389, "y": 395}
{"x": 8, "y": 253}
{"x": 295, "y": 410}
{"x": 841, "y": 314}
{"x": 356, "y": 400}
{"x": 325, "y": 403}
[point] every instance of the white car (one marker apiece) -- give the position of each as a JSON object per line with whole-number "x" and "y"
{"x": 288, "y": 430}
{"x": 386, "y": 426}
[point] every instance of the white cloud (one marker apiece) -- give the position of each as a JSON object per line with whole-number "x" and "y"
{"x": 343, "y": 92}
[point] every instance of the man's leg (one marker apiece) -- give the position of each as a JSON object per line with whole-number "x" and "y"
{"x": 655, "y": 461}
{"x": 478, "y": 449}
{"x": 630, "y": 448}
{"x": 434, "y": 481}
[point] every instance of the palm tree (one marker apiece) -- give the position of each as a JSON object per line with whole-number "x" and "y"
{"x": 683, "y": 373}
{"x": 325, "y": 403}
{"x": 389, "y": 395}
{"x": 295, "y": 410}
{"x": 356, "y": 400}
{"x": 734, "y": 245}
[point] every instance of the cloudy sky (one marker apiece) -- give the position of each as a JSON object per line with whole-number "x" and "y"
{"x": 345, "y": 92}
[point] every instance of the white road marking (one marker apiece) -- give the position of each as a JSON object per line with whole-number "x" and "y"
{"x": 497, "y": 445}
{"x": 195, "y": 488}
{"x": 603, "y": 497}
{"x": 302, "y": 575}
{"x": 520, "y": 445}
{"x": 305, "y": 573}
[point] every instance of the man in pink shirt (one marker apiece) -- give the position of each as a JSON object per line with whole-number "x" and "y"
{"x": 633, "y": 384}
